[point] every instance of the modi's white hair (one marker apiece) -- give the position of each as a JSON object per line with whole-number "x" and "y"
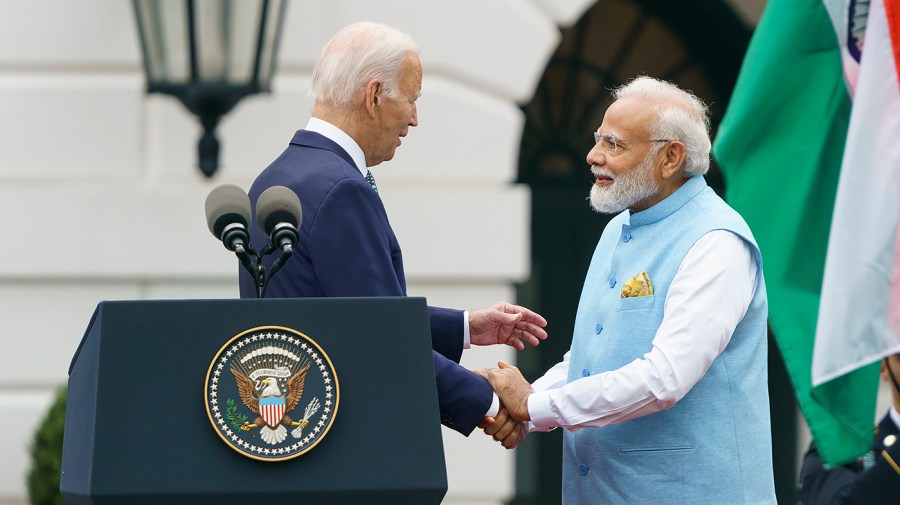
{"x": 357, "y": 54}
{"x": 680, "y": 116}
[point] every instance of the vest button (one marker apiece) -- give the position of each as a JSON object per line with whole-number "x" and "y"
{"x": 612, "y": 282}
{"x": 585, "y": 373}
{"x": 583, "y": 469}
{"x": 598, "y": 328}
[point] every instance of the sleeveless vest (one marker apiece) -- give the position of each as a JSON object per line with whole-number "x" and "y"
{"x": 714, "y": 445}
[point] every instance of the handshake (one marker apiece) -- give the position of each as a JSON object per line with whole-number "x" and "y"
{"x": 511, "y": 424}
{"x": 513, "y": 325}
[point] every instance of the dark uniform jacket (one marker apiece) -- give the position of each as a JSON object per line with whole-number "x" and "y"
{"x": 872, "y": 479}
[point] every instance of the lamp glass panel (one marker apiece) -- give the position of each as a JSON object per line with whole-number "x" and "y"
{"x": 271, "y": 33}
{"x": 226, "y": 39}
{"x": 165, "y": 34}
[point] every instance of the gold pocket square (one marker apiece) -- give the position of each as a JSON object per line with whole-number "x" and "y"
{"x": 639, "y": 285}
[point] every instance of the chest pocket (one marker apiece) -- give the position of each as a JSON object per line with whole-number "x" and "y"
{"x": 636, "y": 303}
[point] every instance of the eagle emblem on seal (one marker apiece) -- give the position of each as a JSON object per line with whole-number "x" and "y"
{"x": 272, "y": 401}
{"x": 285, "y": 381}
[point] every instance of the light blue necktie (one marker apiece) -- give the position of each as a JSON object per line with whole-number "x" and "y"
{"x": 371, "y": 180}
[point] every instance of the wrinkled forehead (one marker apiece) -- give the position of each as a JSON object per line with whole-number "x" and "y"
{"x": 411, "y": 75}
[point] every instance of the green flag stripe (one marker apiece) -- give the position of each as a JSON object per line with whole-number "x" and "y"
{"x": 780, "y": 147}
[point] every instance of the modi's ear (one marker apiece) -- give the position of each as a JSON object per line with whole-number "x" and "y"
{"x": 673, "y": 158}
{"x": 373, "y": 96}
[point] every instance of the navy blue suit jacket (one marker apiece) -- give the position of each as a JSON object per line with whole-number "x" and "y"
{"x": 348, "y": 248}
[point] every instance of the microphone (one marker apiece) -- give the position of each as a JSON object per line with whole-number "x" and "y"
{"x": 279, "y": 215}
{"x": 228, "y": 215}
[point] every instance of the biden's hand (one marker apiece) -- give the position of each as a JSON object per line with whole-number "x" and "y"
{"x": 505, "y": 323}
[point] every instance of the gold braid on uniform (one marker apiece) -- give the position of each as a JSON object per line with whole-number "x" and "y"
{"x": 887, "y": 457}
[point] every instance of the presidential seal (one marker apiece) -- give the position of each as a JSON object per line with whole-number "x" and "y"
{"x": 271, "y": 393}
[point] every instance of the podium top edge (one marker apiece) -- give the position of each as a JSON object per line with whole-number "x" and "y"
{"x": 104, "y": 305}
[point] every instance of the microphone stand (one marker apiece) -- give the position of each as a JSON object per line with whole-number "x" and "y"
{"x": 252, "y": 262}
{"x": 286, "y": 254}
{"x": 244, "y": 258}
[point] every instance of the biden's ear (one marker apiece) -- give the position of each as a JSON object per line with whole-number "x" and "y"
{"x": 373, "y": 96}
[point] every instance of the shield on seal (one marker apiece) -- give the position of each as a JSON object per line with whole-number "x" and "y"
{"x": 271, "y": 408}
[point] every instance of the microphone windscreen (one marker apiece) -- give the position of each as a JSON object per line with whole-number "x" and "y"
{"x": 226, "y": 204}
{"x": 278, "y": 204}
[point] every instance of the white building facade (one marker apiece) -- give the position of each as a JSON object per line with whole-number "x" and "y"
{"x": 102, "y": 200}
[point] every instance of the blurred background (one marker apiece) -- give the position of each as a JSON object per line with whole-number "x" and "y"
{"x": 102, "y": 196}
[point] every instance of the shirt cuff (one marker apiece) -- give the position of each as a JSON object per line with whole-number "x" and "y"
{"x": 494, "y": 408}
{"x": 466, "y": 340}
{"x": 540, "y": 411}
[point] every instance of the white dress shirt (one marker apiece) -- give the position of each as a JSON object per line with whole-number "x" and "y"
{"x": 707, "y": 298}
{"x": 336, "y": 135}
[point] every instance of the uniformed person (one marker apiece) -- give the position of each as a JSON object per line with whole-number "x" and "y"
{"x": 871, "y": 479}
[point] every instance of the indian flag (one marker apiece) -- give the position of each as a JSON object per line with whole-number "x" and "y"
{"x": 810, "y": 148}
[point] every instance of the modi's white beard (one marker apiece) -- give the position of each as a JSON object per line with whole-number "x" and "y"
{"x": 626, "y": 190}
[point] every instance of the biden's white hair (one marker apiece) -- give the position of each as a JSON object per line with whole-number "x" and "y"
{"x": 680, "y": 116}
{"x": 357, "y": 54}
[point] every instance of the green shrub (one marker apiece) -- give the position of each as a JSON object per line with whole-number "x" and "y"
{"x": 46, "y": 455}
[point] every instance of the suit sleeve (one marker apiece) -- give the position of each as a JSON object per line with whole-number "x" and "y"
{"x": 350, "y": 246}
{"x": 447, "y": 332}
{"x": 463, "y": 397}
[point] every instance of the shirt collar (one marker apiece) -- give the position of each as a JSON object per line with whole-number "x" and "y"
{"x": 670, "y": 204}
{"x": 336, "y": 135}
{"x": 895, "y": 416}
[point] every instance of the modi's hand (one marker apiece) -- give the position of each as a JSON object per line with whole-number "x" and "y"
{"x": 511, "y": 387}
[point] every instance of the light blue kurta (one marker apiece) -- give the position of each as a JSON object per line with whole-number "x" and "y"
{"x": 714, "y": 446}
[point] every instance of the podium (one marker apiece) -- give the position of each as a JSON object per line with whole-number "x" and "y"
{"x": 137, "y": 424}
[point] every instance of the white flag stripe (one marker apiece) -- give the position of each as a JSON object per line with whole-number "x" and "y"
{"x": 272, "y": 414}
{"x": 853, "y": 328}
{"x": 895, "y": 292}
{"x": 840, "y": 18}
